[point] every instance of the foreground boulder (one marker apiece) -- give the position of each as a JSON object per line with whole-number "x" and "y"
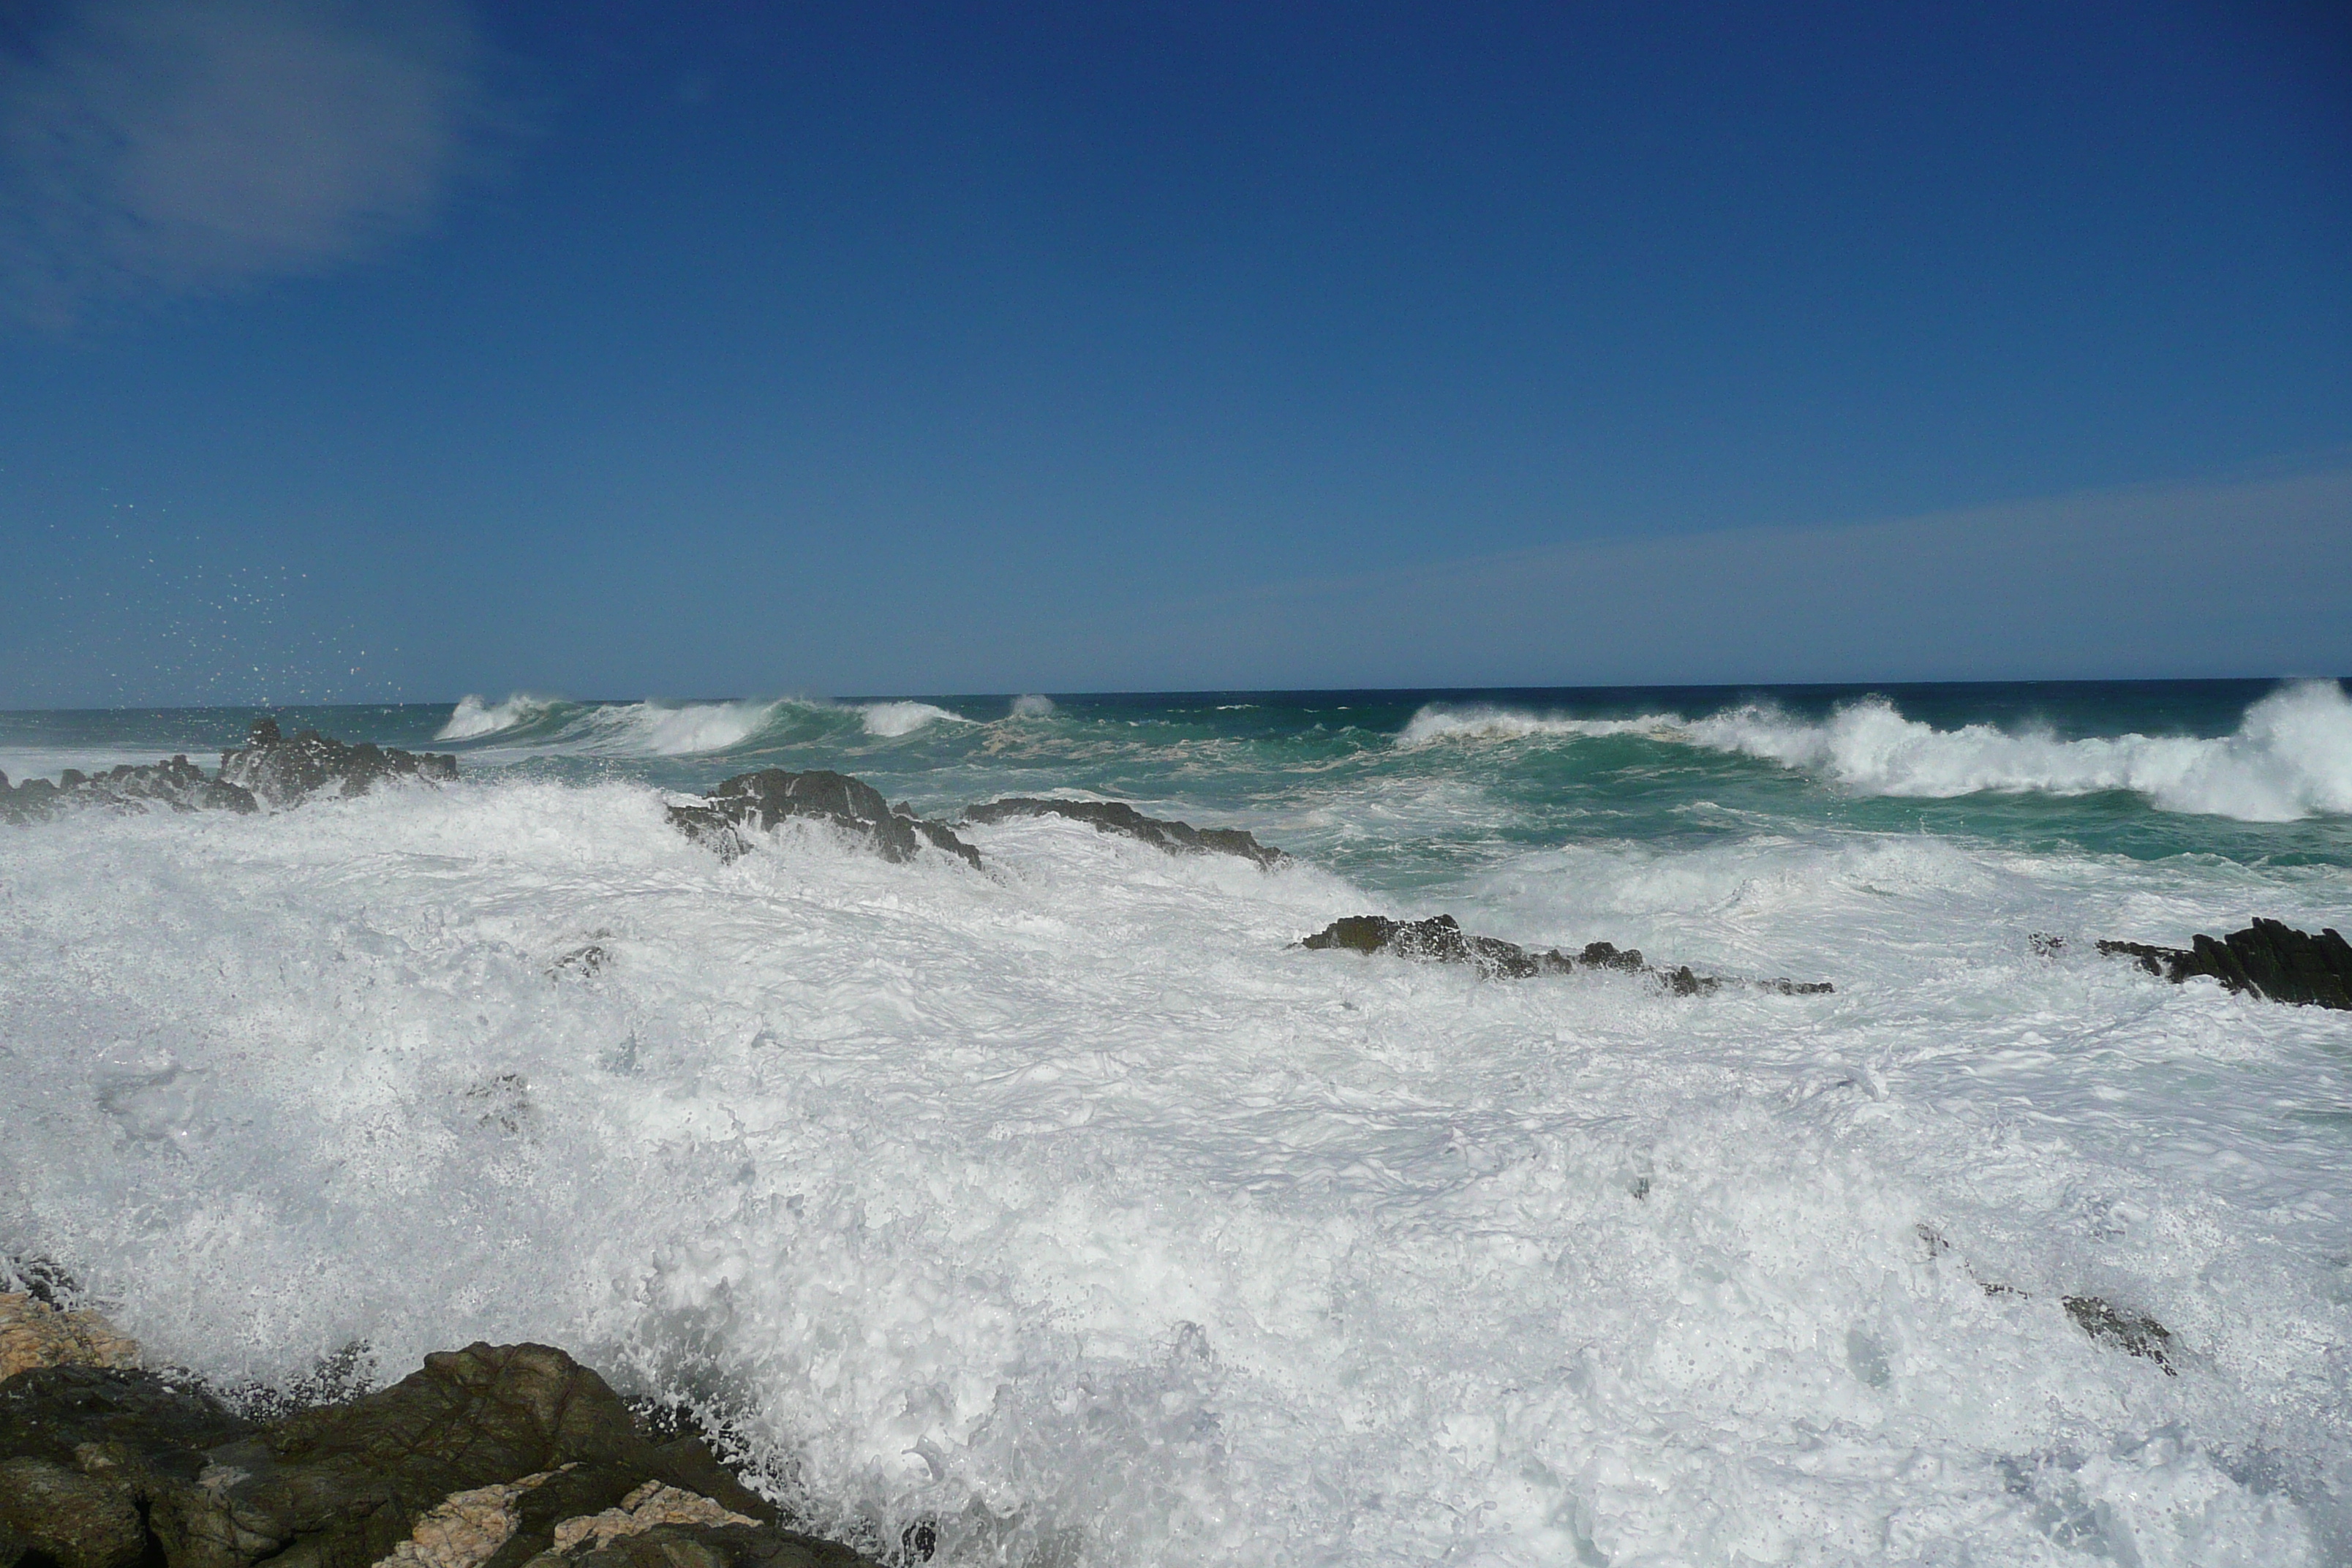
{"x": 1441, "y": 940}
{"x": 771, "y": 795}
{"x": 1118, "y": 816}
{"x": 491, "y": 1457}
{"x": 2268, "y": 958}
{"x": 286, "y": 773}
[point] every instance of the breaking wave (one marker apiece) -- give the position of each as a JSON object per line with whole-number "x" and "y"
{"x": 894, "y": 719}
{"x": 475, "y": 717}
{"x": 2290, "y": 757}
{"x": 1433, "y": 724}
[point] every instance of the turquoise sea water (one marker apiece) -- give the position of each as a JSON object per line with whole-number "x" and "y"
{"x": 1069, "y": 1207}
{"x": 2147, "y": 769}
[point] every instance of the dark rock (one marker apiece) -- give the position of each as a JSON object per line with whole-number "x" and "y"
{"x": 1118, "y": 816}
{"x": 1440, "y": 939}
{"x": 727, "y": 1546}
{"x": 286, "y": 773}
{"x": 2269, "y": 959}
{"x": 771, "y": 795}
{"x": 2047, "y": 944}
{"x": 2134, "y": 1334}
{"x": 177, "y": 783}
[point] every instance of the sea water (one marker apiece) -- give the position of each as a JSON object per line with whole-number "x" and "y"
{"x": 1070, "y": 1209}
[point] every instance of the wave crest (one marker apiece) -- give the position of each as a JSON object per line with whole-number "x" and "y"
{"x": 475, "y": 717}
{"x": 893, "y": 719}
{"x": 1434, "y": 723}
{"x": 679, "y": 731}
{"x": 2291, "y": 756}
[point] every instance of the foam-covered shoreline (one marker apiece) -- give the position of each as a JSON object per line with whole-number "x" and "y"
{"x": 1067, "y": 1202}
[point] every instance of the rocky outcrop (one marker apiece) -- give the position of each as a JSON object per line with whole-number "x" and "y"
{"x": 1118, "y": 816}
{"x": 1441, "y": 940}
{"x": 268, "y": 769}
{"x": 771, "y": 795}
{"x": 491, "y": 1457}
{"x": 176, "y": 784}
{"x": 286, "y": 773}
{"x": 2268, "y": 959}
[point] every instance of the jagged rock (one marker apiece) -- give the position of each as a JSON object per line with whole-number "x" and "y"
{"x": 490, "y": 1456}
{"x": 2269, "y": 958}
{"x": 83, "y": 1452}
{"x": 176, "y": 783}
{"x": 1118, "y": 816}
{"x": 286, "y": 773}
{"x": 771, "y": 795}
{"x": 1440, "y": 939}
{"x": 37, "y": 1334}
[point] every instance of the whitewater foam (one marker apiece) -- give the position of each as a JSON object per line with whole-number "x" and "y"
{"x": 2290, "y": 758}
{"x": 1073, "y": 1209}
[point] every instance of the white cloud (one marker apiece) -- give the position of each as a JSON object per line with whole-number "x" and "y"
{"x": 161, "y": 147}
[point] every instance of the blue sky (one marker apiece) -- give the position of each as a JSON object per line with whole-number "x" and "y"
{"x": 621, "y": 350}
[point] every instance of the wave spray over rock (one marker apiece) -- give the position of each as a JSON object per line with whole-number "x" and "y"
{"x": 1490, "y": 1128}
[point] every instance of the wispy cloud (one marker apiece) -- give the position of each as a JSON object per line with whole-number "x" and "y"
{"x": 151, "y": 148}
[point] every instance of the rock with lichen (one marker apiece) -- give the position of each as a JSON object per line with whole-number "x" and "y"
{"x": 490, "y": 1456}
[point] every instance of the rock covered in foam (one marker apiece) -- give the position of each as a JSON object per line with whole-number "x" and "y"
{"x": 1440, "y": 939}
{"x": 771, "y": 795}
{"x": 287, "y": 772}
{"x": 490, "y": 1456}
{"x": 175, "y": 783}
{"x": 2269, "y": 958}
{"x": 1118, "y": 816}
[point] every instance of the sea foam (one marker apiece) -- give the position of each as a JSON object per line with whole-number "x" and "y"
{"x": 1075, "y": 1211}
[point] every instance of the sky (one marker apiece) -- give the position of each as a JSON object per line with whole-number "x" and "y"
{"x": 398, "y": 349}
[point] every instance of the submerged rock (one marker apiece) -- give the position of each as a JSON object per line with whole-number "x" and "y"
{"x": 771, "y": 795}
{"x": 1118, "y": 816}
{"x": 1440, "y": 939}
{"x": 2269, "y": 958}
{"x": 490, "y": 1456}
{"x": 286, "y": 773}
{"x": 2134, "y": 1334}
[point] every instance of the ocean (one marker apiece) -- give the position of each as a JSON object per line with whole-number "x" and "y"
{"x": 1069, "y": 1209}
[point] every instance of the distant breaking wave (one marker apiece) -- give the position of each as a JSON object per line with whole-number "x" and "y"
{"x": 893, "y": 719}
{"x": 476, "y": 716}
{"x": 2291, "y": 756}
{"x": 536, "y": 725}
